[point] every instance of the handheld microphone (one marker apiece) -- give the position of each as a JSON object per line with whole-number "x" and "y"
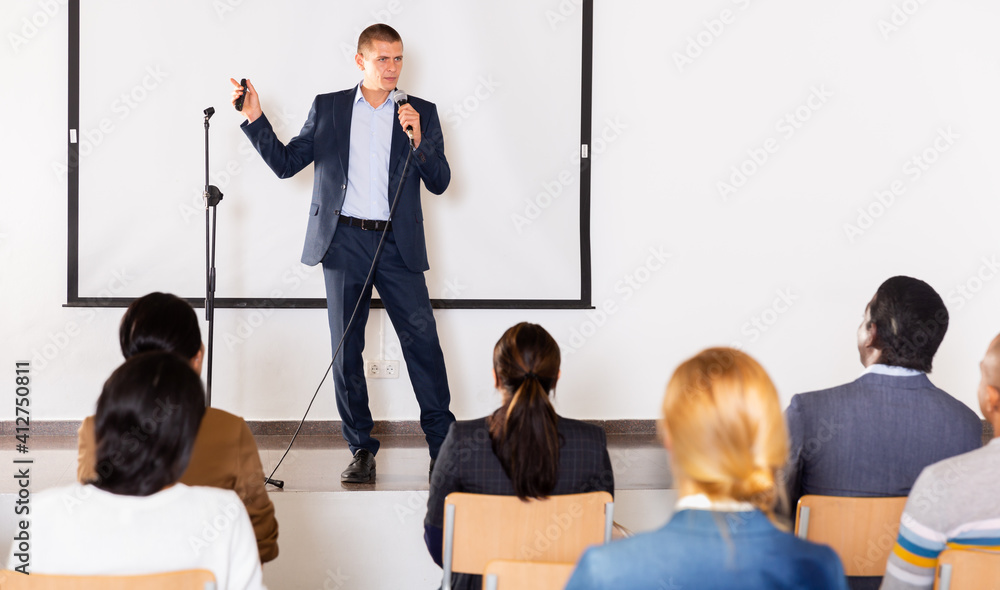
{"x": 399, "y": 97}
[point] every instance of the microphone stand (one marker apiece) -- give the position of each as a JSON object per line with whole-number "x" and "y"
{"x": 212, "y": 196}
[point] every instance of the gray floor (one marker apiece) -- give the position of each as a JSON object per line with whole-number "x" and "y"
{"x": 315, "y": 463}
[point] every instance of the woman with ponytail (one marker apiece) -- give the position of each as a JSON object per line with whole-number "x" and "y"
{"x": 723, "y": 427}
{"x": 522, "y": 449}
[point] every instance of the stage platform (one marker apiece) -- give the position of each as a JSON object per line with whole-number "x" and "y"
{"x": 335, "y": 536}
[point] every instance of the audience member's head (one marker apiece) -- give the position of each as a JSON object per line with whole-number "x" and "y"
{"x": 146, "y": 421}
{"x": 989, "y": 385}
{"x": 904, "y": 325}
{"x": 161, "y": 321}
{"x": 524, "y": 429}
{"x": 724, "y": 428}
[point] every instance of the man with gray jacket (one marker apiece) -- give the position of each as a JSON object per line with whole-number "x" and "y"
{"x": 873, "y": 436}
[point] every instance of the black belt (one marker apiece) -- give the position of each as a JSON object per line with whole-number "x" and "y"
{"x": 366, "y": 224}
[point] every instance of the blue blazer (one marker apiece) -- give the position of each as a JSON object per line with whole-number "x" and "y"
{"x": 710, "y": 550}
{"x": 873, "y": 436}
{"x": 325, "y": 140}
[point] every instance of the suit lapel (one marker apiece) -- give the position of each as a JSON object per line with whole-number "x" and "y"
{"x": 399, "y": 138}
{"x": 397, "y": 152}
{"x": 342, "y": 120}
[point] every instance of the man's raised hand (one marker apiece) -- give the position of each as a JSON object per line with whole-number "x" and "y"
{"x": 251, "y": 104}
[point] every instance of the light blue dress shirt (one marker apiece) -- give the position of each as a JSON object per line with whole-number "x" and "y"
{"x": 892, "y": 371}
{"x": 368, "y": 164}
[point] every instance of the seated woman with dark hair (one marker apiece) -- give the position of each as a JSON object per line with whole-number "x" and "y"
{"x": 225, "y": 454}
{"x": 524, "y": 448}
{"x": 723, "y": 427}
{"x": 135, "y": 518}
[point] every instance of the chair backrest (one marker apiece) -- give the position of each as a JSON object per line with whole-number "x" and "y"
{"x": 507, "y": 574}
{"x": 180, "y": 580}
{"x": 964, "y": 569}
{"x": 479, "y": 528}
{"x": 862, "y": 531}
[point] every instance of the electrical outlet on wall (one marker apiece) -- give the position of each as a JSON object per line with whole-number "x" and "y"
{"x": 390, "y": 369}
{"x": 382, "y": 369}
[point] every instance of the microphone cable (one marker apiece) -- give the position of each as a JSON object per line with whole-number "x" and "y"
{"x": 371, "y": 271}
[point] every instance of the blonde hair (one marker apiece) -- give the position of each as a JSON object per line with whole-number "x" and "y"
{"x": 727, "y": 433}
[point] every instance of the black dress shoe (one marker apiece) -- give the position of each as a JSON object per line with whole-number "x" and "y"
{"x": 430, "y": 472}
{"x": 361, "y": 469}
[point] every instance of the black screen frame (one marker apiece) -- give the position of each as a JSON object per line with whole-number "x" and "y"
{"x": 73, "y": 298}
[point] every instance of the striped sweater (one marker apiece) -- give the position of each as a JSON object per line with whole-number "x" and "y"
{"x": 952, "y": 506}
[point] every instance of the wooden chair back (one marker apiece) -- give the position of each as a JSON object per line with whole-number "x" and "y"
{"x": 862, "y": 531}
{"x": 506, "y": 574}
{"x": 966, "y": 569}
{"x": 479, "y": 528}
{"x": 195, "y": 579}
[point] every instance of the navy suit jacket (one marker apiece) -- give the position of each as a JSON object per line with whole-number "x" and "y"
{"x": 873, "y": 436}
{"x": 325, "y": 139}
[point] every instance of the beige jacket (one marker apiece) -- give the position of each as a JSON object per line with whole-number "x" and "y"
{"x": 224, "y": 456}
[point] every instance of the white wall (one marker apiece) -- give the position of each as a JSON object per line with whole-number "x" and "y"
{"x": 670, "y": 135}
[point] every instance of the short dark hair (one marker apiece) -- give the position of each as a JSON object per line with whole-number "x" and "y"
{"x": 160, "y": 321}
{"x": 377, "y": 32}
{"x": 146, "y": 421}
{"x": 910, "y": 322}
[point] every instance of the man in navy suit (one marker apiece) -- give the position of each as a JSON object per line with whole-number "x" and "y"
{"x": 873, "y": 436}
{"x": 359, "y": 153}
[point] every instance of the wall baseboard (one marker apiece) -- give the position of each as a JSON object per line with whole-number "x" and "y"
{"x": 321, "y": 427}
{"x": 332, "y": 427}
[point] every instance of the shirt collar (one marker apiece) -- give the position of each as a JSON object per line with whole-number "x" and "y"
{"x": 892, "y": 371}
{"x": 358, "y": 96}
{"x": 703, "y": 502}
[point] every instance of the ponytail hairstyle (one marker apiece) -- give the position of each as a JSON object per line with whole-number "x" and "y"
{"x": 524, "y": 429}
{"x": 727, "y": 433}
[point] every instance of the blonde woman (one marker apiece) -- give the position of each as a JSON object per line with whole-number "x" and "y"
{"x": 723, "y": 427}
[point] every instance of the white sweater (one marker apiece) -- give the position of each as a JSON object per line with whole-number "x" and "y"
{"x": 80, "y": 529}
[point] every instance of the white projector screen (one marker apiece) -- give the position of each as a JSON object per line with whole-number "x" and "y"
{"x": 506, "y": 78}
